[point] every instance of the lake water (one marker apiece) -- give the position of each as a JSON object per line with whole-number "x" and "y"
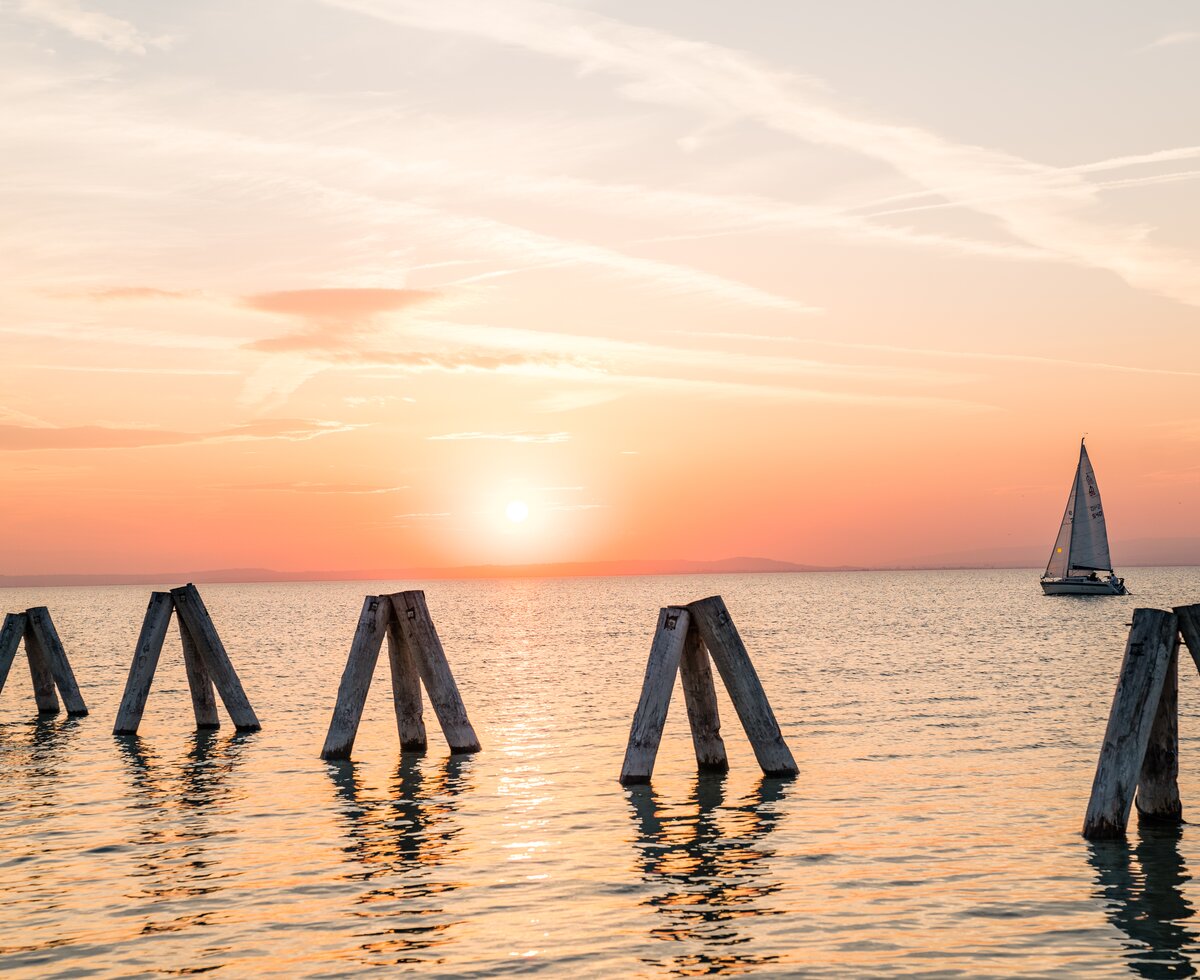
{"x": 946, "y": 726}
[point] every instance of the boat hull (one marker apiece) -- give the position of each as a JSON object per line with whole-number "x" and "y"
{"x": 1083, "y": 586}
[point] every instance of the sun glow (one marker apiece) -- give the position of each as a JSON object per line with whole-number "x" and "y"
{"x": 516, "y": 511}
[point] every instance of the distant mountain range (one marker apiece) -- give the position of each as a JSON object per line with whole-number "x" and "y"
{"x": 1126, "y": 553}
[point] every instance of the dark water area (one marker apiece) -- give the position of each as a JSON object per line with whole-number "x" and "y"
{"x": 946, "y": 726}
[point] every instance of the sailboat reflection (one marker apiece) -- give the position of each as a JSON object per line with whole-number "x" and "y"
{"x": 178, "y": 804}
{"x": 1143, "y": 895}
{"x": 706, "y": 861}
{"x": 400, "y": 844}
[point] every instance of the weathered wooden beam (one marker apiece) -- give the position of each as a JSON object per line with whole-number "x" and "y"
{"x": 204, "y": 698}
{"x": 406, "y": 689}
{"x": 741, "y": 682}
{"x": 40, "y": 674}
{"x": 10, "y": 640}
{"x": 1158, "y": 784}
{"x": 145, "y": 662}
{"x": 1189, "y": 628}
{"x": 195, "y": 617}
{"x": 651, "y": 713}
{"x": 1130, "y": 719}
{"x": 356, "y": 677}
{"x": 416, "y": 626}
{"x": 40, "y": 632}
{"x": 700, "y": 695}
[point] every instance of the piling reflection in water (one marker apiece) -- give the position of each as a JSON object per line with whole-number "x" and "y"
{"x": 34, "y": 750}
{"x": 706, "y": 862}
{"x": 399, "y": 845}
{"x": 1142, "y": 889}
{"x": 179, "y": 803}
{"x": 33, "y": 757}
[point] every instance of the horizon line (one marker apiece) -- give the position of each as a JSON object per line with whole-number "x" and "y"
{"x": 620, "y": 569}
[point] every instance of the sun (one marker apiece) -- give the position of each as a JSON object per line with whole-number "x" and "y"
{"x": 516, "y": 511}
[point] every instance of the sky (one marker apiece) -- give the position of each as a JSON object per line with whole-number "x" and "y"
{"x": 365, "y": 284}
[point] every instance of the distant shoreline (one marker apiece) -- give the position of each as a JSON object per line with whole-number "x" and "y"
{"x": 737, "y": 566}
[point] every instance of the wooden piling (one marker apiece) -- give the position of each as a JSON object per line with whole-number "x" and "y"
{"x": 1158, "y": 784}
{"x": 1144, "y": 669}
{"x": 40, "y": 632}
{"x": 145, "y": 662}
{"x": 1189, "y": 628}
{"x": 194, "y": 615}
{"x": 356, "y": 677}
{"x": 741, "y": 682}
{"x": 662, "y": 666}
{"x": 406, "y": 689}
{"x": 700, "y": 695}
{"x": 417, "y": 629}
{"x": 40, "y": 674}
{"x": 10, "y": 640}
{"x": 200, "y": 684}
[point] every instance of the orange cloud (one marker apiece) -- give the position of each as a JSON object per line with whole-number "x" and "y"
{"x": 335, "y": 317}
{"x": 338, "y": 304}
{"x": 305, "y": 487}
{"x": 16, "y": 438}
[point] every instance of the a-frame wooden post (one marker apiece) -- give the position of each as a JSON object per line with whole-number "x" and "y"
{"x": 49, "y": 667}
{"x": 1141, "y": 741}
{"x": 204, "y": 658}
{"x": 683, "y": 642}
{"x": 417, "y": 658}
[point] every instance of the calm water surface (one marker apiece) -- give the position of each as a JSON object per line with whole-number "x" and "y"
{"x": 946, "y": 725}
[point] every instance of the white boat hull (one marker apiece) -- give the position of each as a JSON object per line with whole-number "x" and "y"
{"x": 1084, "y": 586}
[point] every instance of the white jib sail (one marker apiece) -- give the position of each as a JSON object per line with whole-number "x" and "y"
{"x": 1060, "y": 557}
{"x": 1089, "y": 535}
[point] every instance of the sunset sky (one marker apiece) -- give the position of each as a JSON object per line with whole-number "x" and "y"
{"x": 330, "y": 285}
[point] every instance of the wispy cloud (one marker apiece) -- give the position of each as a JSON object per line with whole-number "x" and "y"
{"x": 1057, "y": 362}
{"x": 30, "y": 438}
{"x": 1172, "y": 39}
{"x": 530, "y": 437}
{"x": 303, "y": 487}
{"x": 89, "y": 25}
{"x": 136, "y": 293}
{"x": 616, "y": 368}
{"x": 10, "y": 416}
{"x": 1039, "y": 206}
{"x": 109, "y": 369}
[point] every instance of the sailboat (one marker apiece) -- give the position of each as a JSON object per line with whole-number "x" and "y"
{"x": 1081, "y": 549}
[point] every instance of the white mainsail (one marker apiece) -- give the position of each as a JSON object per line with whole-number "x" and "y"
{"x": 1089, "y": 534}
{"x": 1082, "y": 542}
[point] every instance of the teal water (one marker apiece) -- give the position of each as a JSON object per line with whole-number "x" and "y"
{"x": 946, "y": 726}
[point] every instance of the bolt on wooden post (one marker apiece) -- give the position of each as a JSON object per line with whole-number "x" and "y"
{"x": 417, "y": 659}
{"x": 49, "y": 668}
{"x": 204, "y": 657}
{"x": 685, "y": 639}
